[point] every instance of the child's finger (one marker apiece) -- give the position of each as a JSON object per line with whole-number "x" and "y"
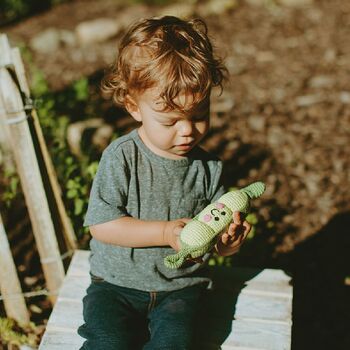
{"x": 247, "y": 227}
{"x": 237, "y": 218}
{"x": 224, "y": 238}
{"x": 232, "y": 229}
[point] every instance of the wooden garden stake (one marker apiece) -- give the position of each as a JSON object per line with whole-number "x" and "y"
{"x": 67, "y": 228}
{"x": 31, "y": 181}
{"x": 10, "y": 287}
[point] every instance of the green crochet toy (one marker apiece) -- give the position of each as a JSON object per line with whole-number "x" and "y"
{"x": 199, "y": 236}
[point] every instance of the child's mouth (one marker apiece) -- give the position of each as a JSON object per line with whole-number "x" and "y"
{"x": 185, "y": 146}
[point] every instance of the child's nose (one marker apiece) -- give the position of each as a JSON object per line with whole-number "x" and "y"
{"x": 185, "y": 127}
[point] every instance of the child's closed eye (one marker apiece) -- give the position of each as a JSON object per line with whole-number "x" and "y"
{"x": 168, "y": 124}
{"x": 201, "y": 117}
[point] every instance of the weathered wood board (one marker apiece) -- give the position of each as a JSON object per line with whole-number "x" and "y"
{"x": 257, "y": 314}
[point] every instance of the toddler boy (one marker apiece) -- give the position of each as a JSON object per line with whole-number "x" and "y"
{"x": 149, "y": 183}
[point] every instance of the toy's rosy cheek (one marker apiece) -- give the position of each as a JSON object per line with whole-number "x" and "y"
{"x": 220, "y": 205}
{"x": 207, "y": 218}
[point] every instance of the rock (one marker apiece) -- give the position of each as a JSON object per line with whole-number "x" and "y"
{"x": 133, "y": 13}
{"x": 325, "y": 202}
{"x": 295, "y": 3}
{"x": 31, "y": 280}
{"x": 75, "y": 132}
{"x": 308, "y": 100}
{"x": 181, "y": 10}
{"x": 256, "y": 2}
{"x": 244, "y": 49}
{"x": 344, "y": 97}
{"x": 256, "y": 123}
{"x": 330, "y": 55}
{"x": 102, "y": 136}
{"x": 68, "y": 38}
{"x": 216, "y": 7}
{"x": 223, "y": 103}
{"x": 265, "y": 56}
{"x": 46, "y": 42}
{"x": 321, "y": 81}
{"x": 275, "y": 136}
{"x": 97, "y": 30}
{"x": 312, "y": 183}
{"x": 315, "y": 15}
{"x": 235, "y": 66}
{"x": 278, "y": 95}
{"x": 291, "y": 42}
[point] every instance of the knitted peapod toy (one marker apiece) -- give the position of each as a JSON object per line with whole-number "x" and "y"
{"x": 199, "y": 236}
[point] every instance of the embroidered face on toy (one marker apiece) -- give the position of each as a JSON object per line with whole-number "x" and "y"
{"x": 215, "y": 214}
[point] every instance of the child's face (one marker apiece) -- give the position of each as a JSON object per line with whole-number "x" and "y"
{"x": 168, "y": 133}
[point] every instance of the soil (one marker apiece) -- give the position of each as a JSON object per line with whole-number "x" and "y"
{"x": 284, "y": 118}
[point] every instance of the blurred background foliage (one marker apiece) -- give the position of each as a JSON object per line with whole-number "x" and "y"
{"x": 56, "y": 111}
{"x": 14, "y": 10}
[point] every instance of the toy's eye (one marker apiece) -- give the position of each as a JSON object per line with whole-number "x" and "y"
{"x": 215, "y": 217}
{"x": 223, "y": 213}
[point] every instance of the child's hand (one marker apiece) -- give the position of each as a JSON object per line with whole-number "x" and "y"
{"x": 172, "y": 232}
{"x": 229, "y": 242}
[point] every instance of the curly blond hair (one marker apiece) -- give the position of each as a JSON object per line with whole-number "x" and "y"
{"x": 169, "y": 53}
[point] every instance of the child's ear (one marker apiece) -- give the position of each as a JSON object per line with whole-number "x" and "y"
{"x": 132, "y": 108}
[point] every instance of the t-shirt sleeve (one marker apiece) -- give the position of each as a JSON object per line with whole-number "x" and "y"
{"x": 108, "y": 196}
{"x": 217, "y": 188}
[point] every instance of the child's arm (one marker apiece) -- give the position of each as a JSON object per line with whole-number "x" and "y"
{"x": 134, "y": 233}
{"x": 230, "y": 241}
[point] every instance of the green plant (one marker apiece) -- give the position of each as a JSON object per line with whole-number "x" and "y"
{"x": 75, "y": 175}
{"x": 253, "y": 220}
{"x": 13, "y": 334}
{"x": 11, "y": 190}
{"x": 12, "y": 10}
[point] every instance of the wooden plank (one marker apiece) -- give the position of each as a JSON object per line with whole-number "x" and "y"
{"x": 74, "y": 287}
{"x": 264, "y": 308}
{"x": 269, "y": 290}
{"x": 248, "y": 319}
{"x": 55, "y": 339}
{"x": 262, "y": 297}
{"x": 67, "y": 314}
{"x": 79, "y": 265}
{"x": 259, "y": 281}
{"x": 258, "y": 335}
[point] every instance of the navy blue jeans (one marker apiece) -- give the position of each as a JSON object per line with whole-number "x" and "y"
{"x": 118, "y": 318}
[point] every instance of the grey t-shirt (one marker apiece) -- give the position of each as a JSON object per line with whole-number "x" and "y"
{"x": 133, "y": 181}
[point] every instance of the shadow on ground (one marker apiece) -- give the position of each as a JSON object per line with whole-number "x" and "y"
{"x": 321, "y": 305}
{"x": 218, "y": 306}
